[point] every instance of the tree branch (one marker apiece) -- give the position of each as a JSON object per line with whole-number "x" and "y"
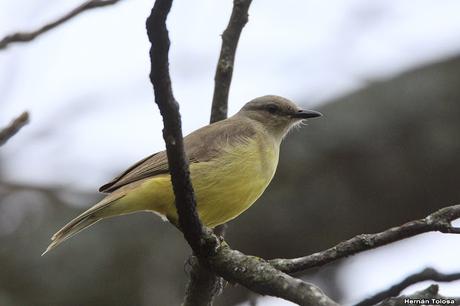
{"x": 395, "y": 290}
{"x": 157, "y": 32}
{"x": 427, "y": 295}
{"x": 56, "y": 194}
{"x": 29, "y": 36}
{"x": 204, "y": 285}
{"x": 252, "y": 272}
{"x": 10, "y": 130}
{"x": 258, "y": 275}
{"x": 438, "y": 221}
{"x": 224, "y": 70}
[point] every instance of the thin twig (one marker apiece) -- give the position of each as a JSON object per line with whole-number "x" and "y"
{"x": 428, "y": 296}
{"x": 28, "y": 36}
{"x": 10, "y": 130}
{"x": 395, "y": 290}
{"x": 438, "y": 221}
{"x": 157, "y": 32}
{"x": 224, "y": 70}
{"x": 204, "y": 285}
{"x": 56, "y": 194}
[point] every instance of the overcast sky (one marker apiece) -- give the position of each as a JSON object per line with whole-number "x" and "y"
{"x": 87, "y": 89}
{"x": 86, "y": 83}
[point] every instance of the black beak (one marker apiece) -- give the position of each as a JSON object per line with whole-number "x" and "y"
{"x": 304, "y": 114}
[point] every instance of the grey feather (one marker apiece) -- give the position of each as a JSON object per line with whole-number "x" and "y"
{"x": 202, "y": 145}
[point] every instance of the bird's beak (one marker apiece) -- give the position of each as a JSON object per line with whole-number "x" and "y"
{"x": 304, "y": 114}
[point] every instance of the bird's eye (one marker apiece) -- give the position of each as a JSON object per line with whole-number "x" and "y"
{"x": 272, "y": 109}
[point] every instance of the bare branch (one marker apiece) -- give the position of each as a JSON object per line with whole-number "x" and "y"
{"x": 10, "y": 130}
{"x": 422, "y": 297}
{"x": 56, "y": 194}
{"x": 204, "y": 284}
{"x": 28, "y": 36}
{"x": 224, "y": 70}
{"x": 438, "y": 221}
{"x": 258, "y": 275}
{"x": 395, "y": 290}
{"x": 252, "y": 272}
{"x": 58, "y": 190}
{"x": 172, "y": 133}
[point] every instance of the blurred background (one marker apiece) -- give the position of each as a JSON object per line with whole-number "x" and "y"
{"x": 385, "y": 74}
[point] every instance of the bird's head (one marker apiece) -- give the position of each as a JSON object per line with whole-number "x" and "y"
{"x": 277, "y": 114}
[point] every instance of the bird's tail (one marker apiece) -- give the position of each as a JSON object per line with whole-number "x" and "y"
{"x": 81, "y": 222}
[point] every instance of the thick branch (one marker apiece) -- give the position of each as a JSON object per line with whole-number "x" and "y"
{"x": 204, "y": 285}
{"x": 439, "y": 221}
{"x": 224, "y": 70}
{"x": 258, "y": 275}
{"x": 427, "y": 295}
{"x": 395, "y": 290}
{"x": 172, "y": 133}
{"x": 28, "y": 36}
{"x": 10, "y": 130}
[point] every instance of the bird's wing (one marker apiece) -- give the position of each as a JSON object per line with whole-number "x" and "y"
{"x": 152, "y": 165}
{"x": 202, "y": 145}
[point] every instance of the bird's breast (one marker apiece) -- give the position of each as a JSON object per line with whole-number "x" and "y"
{"x": 230, "y": 183}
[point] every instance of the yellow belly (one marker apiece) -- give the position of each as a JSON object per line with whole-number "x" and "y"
{"x": 224, "y": 187}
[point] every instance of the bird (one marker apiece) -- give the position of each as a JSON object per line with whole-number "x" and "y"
{"x": 231, "y": 162}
